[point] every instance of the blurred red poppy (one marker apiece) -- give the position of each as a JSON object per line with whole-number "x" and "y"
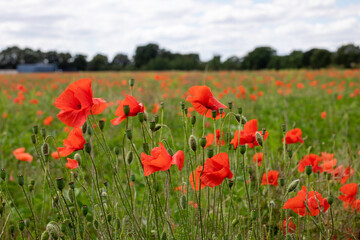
{"x": 216, "y": 169}
{"x": 349, "y": 191}
{"x": 257, "y": 158}
{"x": 71, "y": 164}
{"x": 134, "y": 106}
{"x": 310, "y": 160}
{"x": 247, "y": 135}
{"x": 294, "y": 136}
{"x": 196, "y": 175}
{"x": 21, "y": 155}
{"x": 74, "y": 142}
{"x": 291, "y": 227}
{"x": 271, "y": 178}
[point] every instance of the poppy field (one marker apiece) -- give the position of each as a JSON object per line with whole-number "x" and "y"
{"x": 180, "y": 155}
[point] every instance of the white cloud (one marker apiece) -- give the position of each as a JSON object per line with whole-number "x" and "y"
{"x": 206, "y": 27}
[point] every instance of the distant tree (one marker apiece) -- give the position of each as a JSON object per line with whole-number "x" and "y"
{"x": 79, "y": 62}
{"x": 232, "y": 63}
{"x": 10, "y": 57}
{"x": 64, "y": 61}
{"x": 144, "y": 54}
{"x": 120, "y": 60}
{"x": 278, "y": 62}
{"x": 347, "y": 55}
{"x": 295, "y": 59}
{"x": 258, "y": 58}
{"x": 98, "y": 63}
{"x": 321, "y": 58}
{"x": 158, "y": 63}
{"x": 30, "y": 56}
{"x": 306, "y": 57}
{"x": 215, "y": 63}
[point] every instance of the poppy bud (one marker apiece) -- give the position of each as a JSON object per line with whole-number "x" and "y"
{"x": 156, "y": 118}
{"x": 231, "y": 183}
{"x": 182, "y": 105}
{"x": 290, "y": 153}
{"x": 27, "y": 222}
{"x": 109, "y": 217}
{"x": 237, "y": 116}
{"x": 234, "y": 222}
{"x": 193, "y": 143}
{"x": 146, "y": 148}
{"x": 221, "y": 110}
{"x": 193, "y": 120}
{"x": 131, "y": 82}
{"x": 33, "y": 138}
{"x": 243, "y": 119}
{"x": 60, "y": 183}
{"x": 32, "y": 182}
{"x": 242, "y": 149}
{"x": 77, "y": 157}
{"x": 45, "y": 235}
{"x": 3, "y": 174}
{"x": 214, "y": 113}
{"x": 202, "y": 142}
{"x": 163, "y": 236}
{"x": 240, "y": 110}
{"x": 21, "y": 225}
{"x": 84, "y": 127}
{"x": 21, "y": 180}
{"x": 259, "y": 138}
{"x": 43, "y": 132}
{"x": 328, "y": 176}
{"x": 84, "y": 210}
{"x": 210, "y": 152}
{"x": 89, "y": 131}
{"x": 308, "y": 170}
{"x": 132, "y": 178}
{"x": 330, "y": 199}
{"x": 230, "y": 104}
{"x": 183, "y": 202}
{"x": 31, "y": 188}
{"x": 129, "y": 157}
{"x": 283, "y": 127}
{"x": 162, "y": 104}
{"x": 45, "y": 149}
{"x": 106, "y": 184}
{"x": 152, "y": 126}
{"x": 282, "y": 182}
{"x": 293, "y": 185}
{"x": 186, "y": 110}
{"x": 72, "y": 185}
{"x": 141, "y": 117}
{"x": 263, "y": 131}
{"x": 157, "y": 127}
{"x": 116, "y": 150}
{"x": 129, "y": 134}
{"x": 35, "y": 129}
{"x": 87, "y": 148}
{"x": 126, "y": 109}
{"x": 101, "y": 124}
{"x": 89, "y": 218}
{"x": 53, "y": 230}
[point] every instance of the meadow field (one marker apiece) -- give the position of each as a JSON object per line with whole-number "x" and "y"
{"x": 258, "y": 155}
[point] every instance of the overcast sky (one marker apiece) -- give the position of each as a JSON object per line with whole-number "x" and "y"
{"x": 207, "y": 27}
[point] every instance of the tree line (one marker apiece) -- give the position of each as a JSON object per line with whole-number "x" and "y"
{"x": 152, "y": 57}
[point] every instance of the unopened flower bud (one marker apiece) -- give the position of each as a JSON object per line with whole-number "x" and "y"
{"x": 308, "y": 170}
{"x": 128, "y": 133}
{"x": 31, "y": 188}
{"x": 283, "y": 128}
{"x": 231, "y": 183}
{"x": 72, "y": 185}
{"x": 182, "y": 105}
{"x": 214, "y": 114}
{"x": 87, "y": 147}
{"x": 330, "y": 199}
{"x": 210, "y": 152}
{"x": 21, "y": 225}
{"x": 35, "y": 129}
{"x": 45, "y": 235}
{"x": 240, "y": 110}
{"x": 21, "y": 180}
{"x": 193, "y": 143}
{"x": 156, "y": 118}
{"x": 53, "y": 230}
{"x": 60, "y": 183}
{"x": 290, "y": 153}
{"x": 126, "y": 109}
{"x": 157, "y": 127}
{"x": 230, "y": 105}
{"x": 186, "y": 110}
{"x": 43, "y": 133}
{"x": 84, "y": 127}
{"x": 131, "y": 82}
{"x": 328, "y": 176}
{"x": 89, "y": 130}
{"x": 221, "y": 110}
{"x": 242, "y": 149}
{"x": 45, "y": 149}
{"x": 263, "y": 131}
{"x": 77, "y": 157}
{"x": 116, "y": 150}
{"x": 282, "y": 182}
{"x": 33, "y": 138}
{"x": 141, "y": 117}
{"x": 3, "y": 174}
{"x": 84, "y": 210}
{"x": 259, "y": 138}
{"x": 243, "y": 119}
{"x": 202, "y": 142}
{"x": 193, "y": 120}
{"x": 293, "y": 185}
{"x": 129, "y": 157}
{"x": 101, "y": 124}
{"x": 152, "y": 125}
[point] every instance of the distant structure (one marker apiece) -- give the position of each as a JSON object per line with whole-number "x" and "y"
{"x": 37, "y": 67}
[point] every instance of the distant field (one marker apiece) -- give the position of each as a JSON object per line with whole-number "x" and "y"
{"x": 324, "y": 104}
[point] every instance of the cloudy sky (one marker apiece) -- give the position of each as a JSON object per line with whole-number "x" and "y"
{"x": 208, "y": 27}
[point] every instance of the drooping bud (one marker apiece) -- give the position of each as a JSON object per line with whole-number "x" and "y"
{"x": 243, "y": 119}
{"x": 193, "y": 120}
{"x": 126, "y": 109}
{"x": 193, "y": 143}
{"x": 182, "y": 105}
{"x": 84, "y": 127}
{"x": 33, "y": 138}
{"x": 202, "y": 142}
{"x": 221, "y": 110}
{"x": 157, "y": 127}
{"x": 21, "y": 180}
{"x": 308, "y": 170}
{"x": 238, "y": 117}
{"x": 45, "y": 149}
{"x": 84, "y": 210}
{"x": 290, "y": 153}
{"x": 293, "y": 185}
{"x": 328, "y": 176}
{"x": 89, "y": 130}
{"x": 87, "y": 147}
{"x": 53, "y": 230}
{"x": 330, "y": 199}
{"x": 101, "y": 124}
{"x": 131, "y": 82}
{"x": 156, "y": 118}
{"x": 3, "y": 174}
{"x": 282, "y": 182}
{"x": 43, "y": 133}
{"x": 230, "y": 105}
{"x": 60, "y": 183}
{"x": 21, "y": 225}
{"x": 259, "y": 138}
{"x": 210, "y": 152}
{"x": 45, "y": 235}
{"x": 72, "y": 185}
{"x": 129, "y": 157}
{"x": 35, "y": 129}
{"x": 141, "y": 117}
{"x": 129, "y": 134}
{"x": 240, "y": 110}
{"x": 152, "y": 125}
{"x": 231, "y": 183}
{"x": 242, "y": 149}
{"x": 214, "y": 114}
{"x": 183, "y": 202}
{"x": 31, "y": 188}
{"x": 77, "y": 157}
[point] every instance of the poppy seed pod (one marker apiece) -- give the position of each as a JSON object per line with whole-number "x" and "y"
{"x": 182, "y": 105}
{"x": 186, "y": 110}
{"x": 21, "y": 225}
{"x": 202, "y": 142}
{"x": 328, "y": 176}
{"x": 45, "y": 149}
{"x": 308, "y": 170}
{"x": 84, "y": 210}
{"x": 152, "y": 125}
{"x": 156, "y": 118}
{"x": 60, "y": 183}
{"x": 193, "y": 143}
{"x": 53, "y": 230}
{"x": 263, "y": 131}
{"x": 84, "y": 127}
{"x": 230, "y": 105}
{"x": 45, "y": 235}
{"x": 131, "y": 82}
{"x": 183, "y": 202}
{"x": 210, "y": 152}
{"x": 89, "y": 131}
{"x": 116, "y": 150}
{"x": 259, "y": 138}
{"x": 242, "y": 149}
{"x": 282, "y": 182}
{"x": 231, "y": 183}
{"x": 72, "y": 185}
{"x": 240, "y": 110}
{"x": 35, "y": 129}
{"x": 21, "y": 180}
{"x": 221, "y": 110}
{"x": 101, "y": 124}
{"x": 43, "y": 133}
{"x": 193, "y": 120}
{"x": 213, "y": 114}
{"x": 126, "y": 109}
{"x": 33, "y": 138}
{"x": 87, "y": 147}
{"x": 157, "y": 127}
{"x": 293, "y": 185}
{"x": 330, "y": 199}
{"x": 31, "y": 188}
{"x": 77, "y": 157}
{"x": 141, "y": 117}
{"x": 290, "y": 153}
{"x": 128, "y": 133}
{"x": 3, "y": 174}
{"x": 129, "y": 157}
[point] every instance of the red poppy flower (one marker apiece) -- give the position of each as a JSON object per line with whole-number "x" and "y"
{"x": 216, "y": 169}
{"x": 257, "y": 158}
{"x": 349, "y": 191}
{"x": 21, "y": 155}
{"x": 74, "y": 142}
{"x": 55, "y": 155}
{"x": 342, "y": 174}
{"x": 328, "y": 162}
{"x": 247, "y": 136}
{"x": 218, "y": 137}
{"x": 134, "y": 106}
{"x": 71, "y": 164}
{"x": 310, "y": 160}
{"x": 294, "y": 136}
{"x": 77, "y": 102}
{"x": 314, "y": 201}
{"x": 161, "y": 160}
{"x": 323, "y": 115}
{"x": 204, "y": 101}
{"x": 210, "y": 139}
{"x": 291, "y": 227}
{"x": 196, "y": 175}
{"x": 271, "y": 178}
{"x": 48, "y": 120}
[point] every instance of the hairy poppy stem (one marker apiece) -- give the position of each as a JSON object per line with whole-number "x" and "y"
{"x": 32, "y": 212}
